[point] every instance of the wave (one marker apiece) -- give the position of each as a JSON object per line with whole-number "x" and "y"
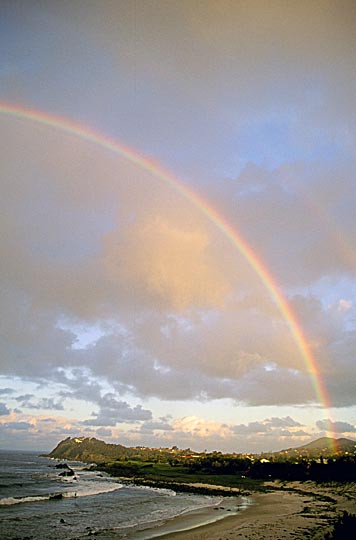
{"x": 85, "y": 491}
{"x": 88, "y": 490}
{"x": 8, "y": 501}
{"x": 164, "y": 491}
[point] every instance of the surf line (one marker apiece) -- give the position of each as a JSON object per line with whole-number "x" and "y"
{"x": 67, "y": 125}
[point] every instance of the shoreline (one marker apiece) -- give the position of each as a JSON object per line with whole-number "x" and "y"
{"x": 289, "y": 510}
{"x": 283, "y": 510}
{"x": 193, "y": 520}
{"x": 268, "y": 516}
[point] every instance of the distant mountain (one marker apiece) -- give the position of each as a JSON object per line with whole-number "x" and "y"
{"x": 325, "y": 446}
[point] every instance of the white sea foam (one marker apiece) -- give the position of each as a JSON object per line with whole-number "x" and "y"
{"x": 86, "y": 484}
{"x": 165, "y": 491}
{"x": 52, "y": 498}
{"x": 8, "y": 501}
{"x": 96, "y": 488}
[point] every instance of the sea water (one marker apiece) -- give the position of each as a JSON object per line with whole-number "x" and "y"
{"x": 38, "y": 503}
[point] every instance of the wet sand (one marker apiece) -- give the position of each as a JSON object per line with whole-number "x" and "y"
{"x": 291, "y": 510}
{"x": 193, "y": 520}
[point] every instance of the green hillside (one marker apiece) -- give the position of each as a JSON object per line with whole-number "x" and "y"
{"x": 325, "y": 446}
{"x": 93, "y": 450}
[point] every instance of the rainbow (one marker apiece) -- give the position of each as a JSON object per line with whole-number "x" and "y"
{"x": 235, "y": 238}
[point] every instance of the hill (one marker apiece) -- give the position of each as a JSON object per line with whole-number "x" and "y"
{"x": 325, "y": 446}
{"x": 164, "y": 466}
{"x": 93, "y": 450}
{"x": 89, "y": 449}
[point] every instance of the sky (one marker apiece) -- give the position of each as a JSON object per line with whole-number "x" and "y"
{"x": 197, "y": 289}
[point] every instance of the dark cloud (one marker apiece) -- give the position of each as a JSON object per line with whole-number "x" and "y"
{"x": 18, "y": 426}
{"x": 158, "y": 425}
{"x": 6, "y": 391}
{"x": 4, "y": 410}
{"x": 24, "y": 398}
{"x": 336, "y": 427}
{"x": 301, "y": 433}
{"x": 104, "y": 432}
{"x": 268, "y": 425}
{"x": 113, "y": 411}
{"x": 252, "y": 427}
{"x": 28, "y": 401}
{"x": 287, "y": 421}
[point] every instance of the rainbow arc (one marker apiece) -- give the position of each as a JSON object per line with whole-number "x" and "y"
{"x": 235, "y": 238}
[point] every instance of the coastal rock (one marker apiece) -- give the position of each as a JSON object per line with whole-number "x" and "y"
{"x": 56, "y": 496}
{"x": 70, "y": 472}
{"x": 62, "y": 466}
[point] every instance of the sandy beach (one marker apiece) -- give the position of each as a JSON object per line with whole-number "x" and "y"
{"x": 291, "y": 510}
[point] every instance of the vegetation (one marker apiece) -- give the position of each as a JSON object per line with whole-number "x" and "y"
{"x": 185, "y": 470}
{"x": 171, "y": 465}
{"x": 92, "y": 450}
{"x": 326, "y": 446}
{"x": 344, "y": 528}
{"x": 339, "y": 469}
{"x": 166, "y": 475}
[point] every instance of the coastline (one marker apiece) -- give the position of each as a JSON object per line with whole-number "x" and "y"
{"x": 290, "y": 510}
{"x": 194, "y": 520}
{"x": 270, "y": 516}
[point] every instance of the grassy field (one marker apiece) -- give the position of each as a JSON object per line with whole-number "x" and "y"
{"x": 163, "y": 474}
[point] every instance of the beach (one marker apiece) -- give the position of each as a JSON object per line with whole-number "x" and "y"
{"x": 35, "y": 498}
{"x": 292, "y": 510}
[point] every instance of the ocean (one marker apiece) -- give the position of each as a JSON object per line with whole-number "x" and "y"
{"x": 38, "y": 502}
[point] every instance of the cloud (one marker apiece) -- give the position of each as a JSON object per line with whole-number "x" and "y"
{"x": 299, "y": 223}
{"x": 27, "y": 401}
{"x": 252, "y": 427}
{"x": 199, "y": 427}
{"x": 168, "y": 262}
{"x": 253, "y": 106}
{"x": 267, "y": 426}
{"x": 49, "y": 403}
{"x": 104, "y": 432}
{"x": 192, "y": 318}
{"x": 4, "y": 410}
{"x": 113, "y": 411}
{"x": 336, "y": 427}
{"x": 6, "y": 391}
{"x": 162, "y": 424}
{"x": 277, "y": 386}
{"x": 199, "y": 434}
{"x": 301, "y": 433}
{"x": 245, "y": 50}
{"x": 18, "y": 426}
{"x": 345, "y": 305}
{"x": 24, "y": 398}
{"x": 287, "y": 421}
